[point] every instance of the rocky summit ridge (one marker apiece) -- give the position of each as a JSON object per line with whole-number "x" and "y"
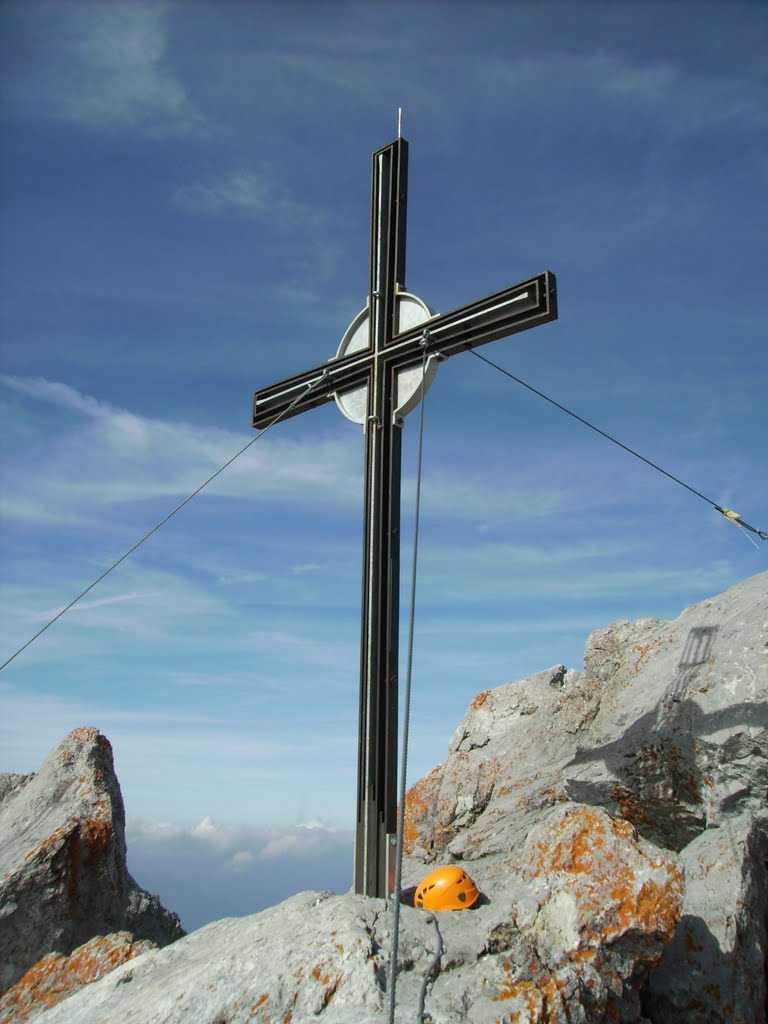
{"x": 614, "y": 820}
{"x": 63, "y": 873}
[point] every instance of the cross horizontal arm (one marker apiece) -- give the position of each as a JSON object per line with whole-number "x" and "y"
{"x": 516, "y": 308}
{"x": 513, "y": 309}
{"x": 317, "y": 385}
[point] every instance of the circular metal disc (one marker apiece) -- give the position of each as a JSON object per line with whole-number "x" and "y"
{"x": 412, "y": 384}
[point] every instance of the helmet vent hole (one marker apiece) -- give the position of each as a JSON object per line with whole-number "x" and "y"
{"x": 462, "y": 896}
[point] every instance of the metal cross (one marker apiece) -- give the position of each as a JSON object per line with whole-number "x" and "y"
{"x": 376, "y": 378}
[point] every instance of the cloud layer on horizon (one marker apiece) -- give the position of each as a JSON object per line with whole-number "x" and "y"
{"x": 207, "y": 871}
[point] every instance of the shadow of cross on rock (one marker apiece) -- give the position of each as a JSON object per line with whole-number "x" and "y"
{"x": 682, "y": 753}
{"x": 680, "y": 766}
{"x": 666, "y": 729}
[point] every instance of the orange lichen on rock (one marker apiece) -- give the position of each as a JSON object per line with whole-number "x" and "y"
{"x": 644, "y": 650}
{"x": 55, "y": 977}
{"x": 330, "y": 989}
{"x": 86, "y": 734}
{"x": 583, "y": 955}
{"x": 592, "y": 855}
{"x": 539, "y": 1000}
{"x": 52, "y": 841}
{"x": 525, "y": 990}
{"x": 480, "y": 699}
{"x": 330, "y": 985}
{"x": 487, "y": 774}
{"x": 653, "y": 908}
{"x": 572, "y": 849}
{"x": 419, "y": 800}
{"x": 80, "y": 842}
{"x": 97, "y": 833}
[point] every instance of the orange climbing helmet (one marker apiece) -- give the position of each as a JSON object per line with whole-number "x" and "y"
{"x": 448, "y": 888}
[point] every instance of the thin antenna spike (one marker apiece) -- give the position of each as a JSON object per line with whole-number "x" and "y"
{"x": 399, "y": 122}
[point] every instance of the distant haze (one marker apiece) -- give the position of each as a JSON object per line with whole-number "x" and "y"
{"x": 206, "y": 872}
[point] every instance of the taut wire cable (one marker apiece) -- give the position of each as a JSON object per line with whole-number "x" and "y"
{"x": 310, "y": 387}
{"x": 729, "y": 514}
{"x": 392, "y": 976}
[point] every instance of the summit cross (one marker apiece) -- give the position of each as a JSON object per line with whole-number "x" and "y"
{"x": 386, "y": 361}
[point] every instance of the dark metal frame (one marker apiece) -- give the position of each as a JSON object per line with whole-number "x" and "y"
{"x": 516, "y": 308}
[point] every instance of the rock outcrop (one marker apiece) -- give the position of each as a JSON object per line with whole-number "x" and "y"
{"x": 666, "y": 729}
{"x": 715, "y": 967}
{"x": 56, "y": 977}
{"x": 63, "y": 873}
{"x": 541, "y": 949}
{"x": 615, "y": 822}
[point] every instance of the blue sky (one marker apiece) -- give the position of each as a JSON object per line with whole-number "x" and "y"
{"x": 185, "y": 193}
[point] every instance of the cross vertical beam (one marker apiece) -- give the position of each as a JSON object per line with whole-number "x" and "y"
{"x": 377, "y": 744}
{"x": 381, "y": 349}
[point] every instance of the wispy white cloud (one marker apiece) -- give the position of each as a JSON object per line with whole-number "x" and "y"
{"x": 238, "y": 577}
{"x": 309, "y": 567}
{"x": 162, "y": 604}
{"x": 121, "y": 458}
{"x": 84, "y": 606}
{"x": 56, "y": 393}
{"x": 200, "y": 603}
{"x": 247, "y": 194}
{"x": 114, "y": 70}
{"x": 463, "y": 493}
{"x": 681, "y": 102}
{"x": 241, "y": 860}
{"x": 497, "y": 573}
{"x": 308, "y": 645}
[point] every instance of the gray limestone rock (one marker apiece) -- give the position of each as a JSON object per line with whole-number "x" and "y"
{"x": 665, "y": 729}
{"x": 680, "y": 741}
{"x": 10, "y": 783}
{"x": 63, "y": 874}
{"x": 56, "y": 977}
{"x": 575, "y": 951}
{"x": 714, "y": 969}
